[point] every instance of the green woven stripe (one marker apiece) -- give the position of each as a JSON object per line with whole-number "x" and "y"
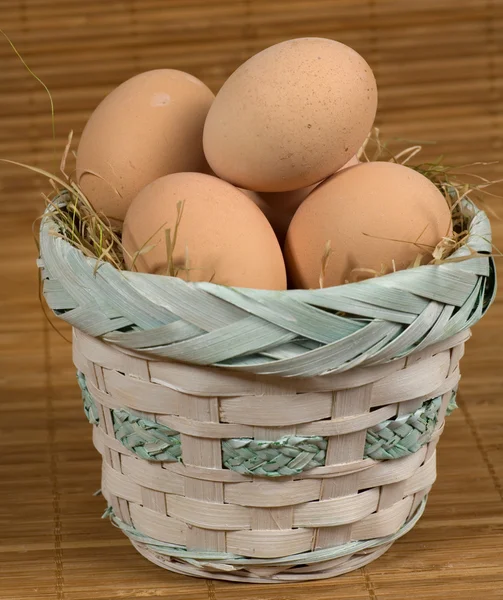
{"x": 146, "y": 438}
{"x": 289, "y": 455}
{"x": 403, "y": 435}
{"x": 451, "y": 407}
{"x": 90, "y": 409}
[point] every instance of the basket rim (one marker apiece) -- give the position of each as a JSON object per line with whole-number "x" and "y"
{"x": 290, "y": 333}
{"x": 479, "y": 238}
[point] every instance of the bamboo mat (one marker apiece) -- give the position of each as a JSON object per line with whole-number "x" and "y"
{"x": 439, "y": 66}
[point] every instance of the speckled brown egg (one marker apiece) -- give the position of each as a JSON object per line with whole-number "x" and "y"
{"x": 150, "y": 126}
{"x": 223, "y": 237}
{"x": 291, "y": 115}
{"x": 377, "y": 217}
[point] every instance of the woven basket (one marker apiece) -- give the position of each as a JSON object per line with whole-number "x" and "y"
{"x": 267, "y": 436}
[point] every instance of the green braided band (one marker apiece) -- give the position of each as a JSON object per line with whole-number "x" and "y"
{"x": 89, "y": 405}
{"x": 292, "y": 454}
{"x": 289, "y": 455}
{"x": 451, "y": 407}
{"x": 403, "y": 435}
{"x": 146, "y": 438}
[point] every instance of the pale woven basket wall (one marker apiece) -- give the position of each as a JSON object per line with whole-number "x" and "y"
{"x": 202, "y": 519}
{"x": 298, "y": 439}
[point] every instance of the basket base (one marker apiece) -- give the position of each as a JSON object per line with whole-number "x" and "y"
{"x": 321, "y": 564}
{"x": 322, "y": 570}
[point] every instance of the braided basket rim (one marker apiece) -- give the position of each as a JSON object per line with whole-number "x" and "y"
{"x": 399, "y": 312}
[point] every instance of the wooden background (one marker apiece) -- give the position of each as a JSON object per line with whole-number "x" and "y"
{"x": 439, "y": 67}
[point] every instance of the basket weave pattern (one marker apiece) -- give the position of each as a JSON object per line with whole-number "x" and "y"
{"x": 236, "y": 526}
{"x": 292, "y": 454}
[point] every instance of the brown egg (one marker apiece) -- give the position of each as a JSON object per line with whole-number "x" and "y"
{"x": 222, "y": 236}
{"x": 291, "y": 115}
{"x": 377, "y": 216}
{"x": 279, "y": 207}
{"x": 150, "y": 126}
